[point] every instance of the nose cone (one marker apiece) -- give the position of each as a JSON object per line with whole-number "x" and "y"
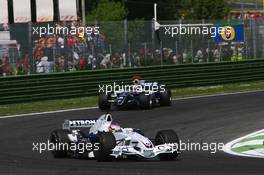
{"x": 144, "y": 141}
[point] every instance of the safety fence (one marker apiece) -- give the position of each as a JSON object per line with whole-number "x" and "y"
{"x": 36, "y": 48}
{"x": 14, "y": 89}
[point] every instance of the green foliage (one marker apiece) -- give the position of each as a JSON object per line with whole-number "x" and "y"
{"x": 135, "y": 30}
{"x": 107, "y": 10}
{"x": 111, "y": 10}
{"x": 110, "y": 16}
{"x": 114, "y": 32}
{"x": 204, "y": 9}
{"x": 168, "y": 9}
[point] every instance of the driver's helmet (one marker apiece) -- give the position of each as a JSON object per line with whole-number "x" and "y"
{"x": 114, "y": 126}
{"x": 136, "y": 80}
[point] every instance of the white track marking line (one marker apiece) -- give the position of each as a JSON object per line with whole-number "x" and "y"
{"x": 229, "y": 145}
{"x": 48, "y": 112}
{"x": 217, "y": 95}
{"x": 252, "y": 142}
{"x": 255, "y": 152}
{"x": 174, "y": 99}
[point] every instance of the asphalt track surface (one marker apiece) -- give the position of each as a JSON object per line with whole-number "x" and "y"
{"x": 210, "y": 119}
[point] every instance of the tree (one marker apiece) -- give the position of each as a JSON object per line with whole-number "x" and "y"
{"x": 107, "y": 10}
{"x": 140, "y": 9}
{"x": 135, "y": 31}
{"x": 204, "y": 9}
{"x": 108, "y": 15}
{"x": 176, "y": 9}
{"x": 168, "y": 9}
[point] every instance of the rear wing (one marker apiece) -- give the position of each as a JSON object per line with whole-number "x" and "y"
{"x": 101, "y": 124}
{"x": 78, "y": 123}
{"x": 145, "y": 83}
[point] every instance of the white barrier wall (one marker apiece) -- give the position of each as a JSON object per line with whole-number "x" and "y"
{"x": 3, "y": 12}
{"x": 44, "y": 10}
{"x": 22, "y": 11}
{"x": 68, "y": 10}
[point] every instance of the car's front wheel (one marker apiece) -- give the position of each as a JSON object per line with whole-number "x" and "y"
{"x": 106, "y": 143}
{"x": 103, "y": 102}
{"x": 145, "y": 101}
{"x": 60, "y": 140}
{"x": 165, "y": 99}
{"x": 167, "y": 136}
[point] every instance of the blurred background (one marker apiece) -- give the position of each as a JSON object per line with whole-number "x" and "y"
{"x": 127, "y": 35}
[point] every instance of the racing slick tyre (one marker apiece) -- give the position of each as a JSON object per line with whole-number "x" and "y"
{"x": 103, "y": 102}
{"x": 165, "y": 99}
{"x": 106, "y": 142}
{"x": 60, "y": 138}
{"x": 145, "y": 101}
{"x": 167, "y": 136}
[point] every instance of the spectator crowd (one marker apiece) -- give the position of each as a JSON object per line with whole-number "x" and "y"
{"x": 82, "y": 51}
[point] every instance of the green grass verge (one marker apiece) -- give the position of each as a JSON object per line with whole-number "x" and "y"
{"x": 50, "y": 105}
{"x": 218, "y": 89}
{"x": 260, "y": 137}
{"x": 247, "y": 148}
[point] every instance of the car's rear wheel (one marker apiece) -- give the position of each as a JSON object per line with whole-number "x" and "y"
{"x": 165, "y": 99}
{"x": 103, "y": 102}
{"x": 107, "y": 143}
{"x": 59, "y": 138}
{"x": 167, "y": 136}
{"x": 145, "y": 101}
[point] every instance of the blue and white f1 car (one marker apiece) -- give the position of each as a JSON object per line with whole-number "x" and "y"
{"x": 112, "y": 141}
{"x": 141, "y": 93}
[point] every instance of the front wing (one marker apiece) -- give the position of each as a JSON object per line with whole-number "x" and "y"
{"x": 168, "y": 148}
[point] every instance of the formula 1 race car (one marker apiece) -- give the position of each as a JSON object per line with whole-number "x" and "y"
{"x": 110, "y": 141}
{"x": 142, "y": 93}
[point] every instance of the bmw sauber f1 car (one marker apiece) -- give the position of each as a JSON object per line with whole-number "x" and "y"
{"x": 142, "y": 94}
{"x": 112, "y": 141}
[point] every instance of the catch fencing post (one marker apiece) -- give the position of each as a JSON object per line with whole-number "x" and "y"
{"x": 129, "y": 54}
{"x": 161, "y": 53}
{"x": 54, "y": 58}
{"x": 31, "y": 49}
{"x": 208, "y": 54}
{"x": 110, "y": 51}
{"x": 176, "y": 47}
{"x": 192, "y": 50}
{"x": 254, "y": 39}
{"x": 145, "y": 52}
